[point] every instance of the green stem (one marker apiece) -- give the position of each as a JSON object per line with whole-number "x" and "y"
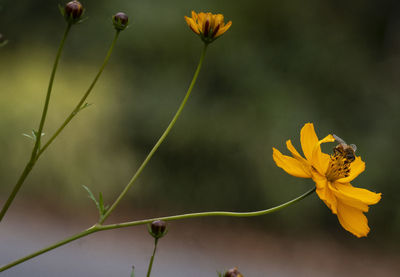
{"x": 51, "y": 247}
{"x": 160, "y": 140}
{"x": 205, "y": 214}
{"x": 152, "y": 258}
{"x": 98, "y": 228}
{"x": 84, "y": 97}
{"x": 36, "y": 147}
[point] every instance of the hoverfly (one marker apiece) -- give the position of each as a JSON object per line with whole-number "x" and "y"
{"x": 345, "y": 150}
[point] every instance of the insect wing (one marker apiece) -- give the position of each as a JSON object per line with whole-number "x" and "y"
{"x": 339, "y": 140}
{"x": 354, "y": 147}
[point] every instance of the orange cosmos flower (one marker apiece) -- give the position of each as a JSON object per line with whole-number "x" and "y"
{"x": 207, "y": 25}
{"x": 332, "y": 175}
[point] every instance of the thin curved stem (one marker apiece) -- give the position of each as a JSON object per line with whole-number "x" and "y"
{"x": 38, "y": 134}
{"x": 98, "y": 228}
{"x": 160, "y": 140}
{"x": 80, "y": 104}
{"x": 152, "y": 258}
{"x": 206, "y": 214}
{"x": 47, "y": 101}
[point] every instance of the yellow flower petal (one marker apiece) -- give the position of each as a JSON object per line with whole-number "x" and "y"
{"x": 324, "y": 192}
{"x": 308, "y": 140}
{"x": 321, "y": 160}
{"x": 305, "y": 164}
{"x": 223, "y": 29}
{"x": 289, "y": 164}
{"x": 219, "y": 19}
{"x": 200, "y": 20}
{"x": 194, "y": 16}
{"x": 212, "y": 22}
{"x": 363, "y": 195}
{"x": 353, "y": 220}
{"x": 356, "y": 168}
{"x": 188, "y": 20}
{"x": 293, "y": 150}
{"x": 205, "y": 26}
{"x": 349, "y": 199}
{"x": 192, "y": 25}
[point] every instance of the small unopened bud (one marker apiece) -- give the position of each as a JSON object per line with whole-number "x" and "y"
{"x": 157, "y": 229}
{"x": 120, "y": 21}
{"x": 73, "y": 11}
{"x": 234, "y": 272}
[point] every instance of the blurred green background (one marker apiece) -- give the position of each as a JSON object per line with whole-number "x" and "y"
{"x": 282, "y": 64}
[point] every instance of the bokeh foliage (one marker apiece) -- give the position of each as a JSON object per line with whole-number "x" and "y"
{"x": 282, "y": 64}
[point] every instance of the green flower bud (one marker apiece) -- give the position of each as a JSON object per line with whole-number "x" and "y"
{"x": 73, "y": 11}
{"x": 234, "y": 272}
{"x": 120, "y": 21}
{"x": 157, "y": 229}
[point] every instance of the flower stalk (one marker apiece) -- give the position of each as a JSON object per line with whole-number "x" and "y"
{"x": 38, "y": 134}
{"x": 152, "y": 258}
{"x": 81, "y": 103}
{"x": 38, "y": 150}
{"x": 160, "y": 140}
{"x": 98, "y": 227}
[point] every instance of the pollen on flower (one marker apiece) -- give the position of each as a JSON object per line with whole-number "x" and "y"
{"x": 207, "y": 25}
{"x": 339, "y": 166}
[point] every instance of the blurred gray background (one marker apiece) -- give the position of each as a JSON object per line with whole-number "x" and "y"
{"x": 282, "y": 64}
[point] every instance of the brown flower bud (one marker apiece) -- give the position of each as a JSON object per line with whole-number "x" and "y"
{"x": 158, "y": 229}
{"x": 120, "y": 21}
{"x": 73, "y": 11}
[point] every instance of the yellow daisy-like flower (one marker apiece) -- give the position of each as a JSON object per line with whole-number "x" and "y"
{"x": 332, "y": 175}
{"x": 207, "y": 25}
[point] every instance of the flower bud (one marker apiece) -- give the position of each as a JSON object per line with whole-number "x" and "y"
{"x": 157, "y": 229}
{"x": 234, "y": 272}
{"x": 73, "y": 11}
{"x": 120, "y": 21}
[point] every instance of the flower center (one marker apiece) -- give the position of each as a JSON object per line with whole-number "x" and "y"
{"x": 339, "y": 165}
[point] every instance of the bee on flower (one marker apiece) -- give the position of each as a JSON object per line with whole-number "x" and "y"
{"x": 332, "y": 175}
{"x": 207, "y": 25}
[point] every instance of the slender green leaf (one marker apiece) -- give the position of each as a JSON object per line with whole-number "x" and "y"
{"x": 91, "y": 196}
{"x": 61, "y": 9}
{"x": 85, "y": 106}
{"x": 101, "y": 202}
{"x": 29, "y": 136}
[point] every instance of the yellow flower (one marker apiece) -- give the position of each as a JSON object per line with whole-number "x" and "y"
{"x": 207, "y": 25}
{"x": 332, "y": 175}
